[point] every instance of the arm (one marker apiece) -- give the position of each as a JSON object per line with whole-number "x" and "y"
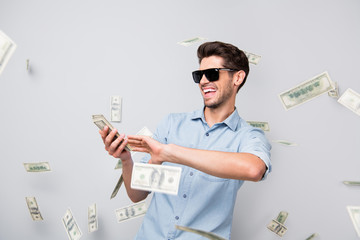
{"x": 242, "y": 166}
{"x": 115, "y": 149}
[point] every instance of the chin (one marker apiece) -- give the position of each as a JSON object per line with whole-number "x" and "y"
{"x": 211, "y": 105}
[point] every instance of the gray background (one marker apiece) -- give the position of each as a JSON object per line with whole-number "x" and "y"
{"x": 82, "y": 52}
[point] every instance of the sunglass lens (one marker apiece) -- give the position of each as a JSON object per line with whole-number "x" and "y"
{"x": 197, "y": 75}
{"x": 212, "y": 74}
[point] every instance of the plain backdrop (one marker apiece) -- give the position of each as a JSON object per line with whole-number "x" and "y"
{"x": 82, "y": 52}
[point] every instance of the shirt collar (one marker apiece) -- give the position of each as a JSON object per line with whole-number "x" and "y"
{"x": 231, "y": 121}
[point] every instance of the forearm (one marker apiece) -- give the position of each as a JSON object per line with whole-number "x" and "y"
{"x": 134, "y": 194}
{"x": 242, "y": 166}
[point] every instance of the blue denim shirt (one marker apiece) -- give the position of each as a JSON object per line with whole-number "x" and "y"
{"x": 204, "y": 201}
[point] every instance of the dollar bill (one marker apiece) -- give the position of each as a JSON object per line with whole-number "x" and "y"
{"x": 71, "y": 227}
{"x": 354, "y": 212}
{"x": 7, "y": 48}
{"x": 118, "y": 164}
{"x": 145, "y": 132}
{"x": 117, "y": 187}
{"x": 285, "y": 143}
{"x": 306, "y": 91}
{"x": 156, "y": 178}
{"x": 253, "y": 58}
{"x": 208, "y": 235}
{"x": 92, "y": 218}
{"x": 263, "y": 125}
{"x": 351, "y": 183}
{"x": 312, "y": 236}
{"x": 334, "y": 93}
{"x": 28, "y": 65}
{"x": 100, "y": 121}
{"x": 130, "y": 212}
{"x": 191, "y": 41}
{"x": 37, "y": 167}
{"x": 351, "y": 100}
{"x": 115, "y": 108}
{"x": 277, "y": 226}
{"x": 33, "y": 208}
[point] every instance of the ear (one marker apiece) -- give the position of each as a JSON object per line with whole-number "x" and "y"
{"x": 239, "y": 77}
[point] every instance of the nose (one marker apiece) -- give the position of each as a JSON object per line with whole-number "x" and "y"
{"x": 203, "y": 80}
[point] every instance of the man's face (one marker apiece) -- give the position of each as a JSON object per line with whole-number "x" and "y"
{"x": 217, "y": 93}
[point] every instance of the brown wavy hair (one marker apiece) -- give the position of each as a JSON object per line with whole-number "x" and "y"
{"x": 233, "y": 57}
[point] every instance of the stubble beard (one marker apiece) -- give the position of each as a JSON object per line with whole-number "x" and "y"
{"x": 222, "y": 99}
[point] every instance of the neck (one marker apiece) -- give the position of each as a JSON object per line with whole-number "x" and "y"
{"x": 217, "y": 115}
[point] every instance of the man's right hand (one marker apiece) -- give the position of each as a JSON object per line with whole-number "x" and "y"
{"x": 115, "y": 148}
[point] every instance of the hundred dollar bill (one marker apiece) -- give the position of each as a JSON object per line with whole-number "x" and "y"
{"x": 145, "y": 132}
{"x": 92, "y": 218}
{"x": 253, "y": 58}
{"x": 334, "y": 93}
{"x": 208, "y": 235}
{"x": 71, "y": 227}
{"x": 156, "y": 178}
{"x": 115, "y": 107}
{"x": 312, "y": 236}
{"x": 191, "y": 41}
{"x": 263, "y": 125}
{"x": 130, "y": 212}
{"x": 117, "y": 187}
{"x": 7, "y": 48}
{"x": 37, "y": 167}
{"x": 306, "y": 91}
{"x": 100, "y": 121}
{"x": 351, "y": 183}
{"x": 354, "y": 212}
{"x": 33, "y": 208}
{"x": 118, "y": 164}
{"x": 277, "y": 226}
{"x": 351, "y": 100}
{"x": 285, "y": 143}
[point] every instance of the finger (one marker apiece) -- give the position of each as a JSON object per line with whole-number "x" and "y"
{"x": 121, "y": 147}
{"x": 116, "y": 144}
{"x": 139, "y": 149}
{"x": 135, "y": 142}
{"x": 104, "y": 132}
{"x": 136, "y": 137}
{"x": 110, "y": 138}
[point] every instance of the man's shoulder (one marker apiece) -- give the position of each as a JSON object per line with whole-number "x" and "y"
{"x": 184, "y": 115}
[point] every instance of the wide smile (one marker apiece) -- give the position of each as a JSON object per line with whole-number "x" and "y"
{"x": 209, "y": 92}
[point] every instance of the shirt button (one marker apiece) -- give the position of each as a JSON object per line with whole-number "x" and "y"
{"x": 184, "y": 195}
{"x": 177, "y": 218}
{"x": 207, "y": 134}
{"x": 191, "y": 173}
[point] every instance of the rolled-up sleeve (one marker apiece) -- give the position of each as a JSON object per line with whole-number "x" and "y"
{"x": 256, "y": 143}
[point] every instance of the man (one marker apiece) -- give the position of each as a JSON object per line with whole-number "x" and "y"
{"x": 216, "y": 149}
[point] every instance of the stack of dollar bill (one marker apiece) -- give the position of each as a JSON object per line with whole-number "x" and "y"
{"x": 100, "y": 121}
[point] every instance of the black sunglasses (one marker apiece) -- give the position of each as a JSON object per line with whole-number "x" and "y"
{"x": 212, "y": 74}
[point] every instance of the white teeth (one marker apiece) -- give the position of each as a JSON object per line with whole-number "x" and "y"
{"x": 208, "y": 90}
